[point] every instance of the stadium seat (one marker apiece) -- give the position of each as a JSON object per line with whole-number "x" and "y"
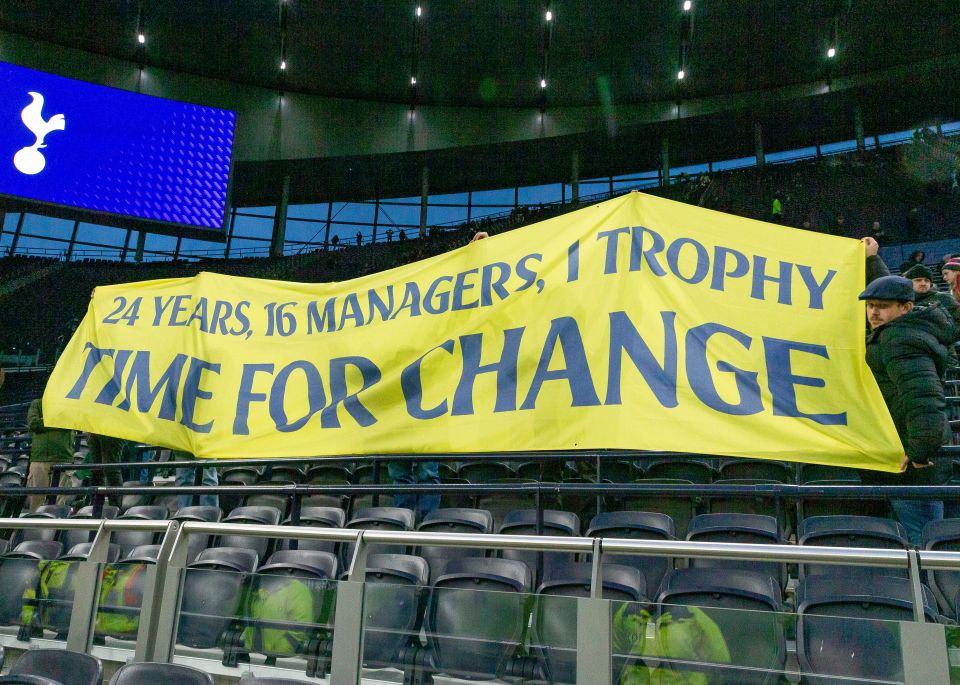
{"x": 743, "y": 605}
{"x": 554, "y": 624}
{"x": 19, "y": 571}
{"x": 319, "y": 474}
{"x": 212, "y": 594}
{"x": 240, "y": 475}
{"x": 129, "y": 539}
{"x": 160, "y": 674}
{"x": 485, "y": 471}
{"x": 274, "y": 501}
{"x": 50, "y": 511}
{"x": 59, "y": 666}
{"x": 752, "y": 502}
{"x": 738, "y": 528}
{"x": 757, "y": 469}
{"x": 524, "y": 522}
{"x": 944, "y": 536}
{"x": 281, "y": 474}
{"x": 393, "y": 605}
{"x": 121, "y": 598}
{"x": 852, "y": 531}
{"x": 71, "y": 538}
{"x": 129, "y": 501}
{"x": 617, "y": 471}
{"x": 331, "y": 501}
{"x": 636, "y": 525}
{"x": 453, "y": 520}
{"x": 681, "y": 468}
{"x": 503, "y": 503}
{"x": 455, "y": 500}
{"x": 201, "y": 514}
{"x": 846, "y": 628}
{"x": 476, "y": 616}
{"x": 317, "y": 517}
{"x": 818, "y": 474}
{"x": 264, "y": 516}
{"x": 377, "y": 518}
{"x": 288, "y": 608}
{"x": 679, "y": 508}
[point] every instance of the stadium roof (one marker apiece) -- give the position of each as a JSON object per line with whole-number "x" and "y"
{"x": 610, "y": 66}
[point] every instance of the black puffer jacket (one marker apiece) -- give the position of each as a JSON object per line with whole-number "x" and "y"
{"x": 908, "y": 357}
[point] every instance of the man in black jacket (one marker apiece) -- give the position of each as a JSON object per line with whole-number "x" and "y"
{"x": 908, "y": 350}
{"x": 926, "y": 295}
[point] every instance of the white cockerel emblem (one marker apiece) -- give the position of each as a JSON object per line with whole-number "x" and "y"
{"x": 30, "y": 160}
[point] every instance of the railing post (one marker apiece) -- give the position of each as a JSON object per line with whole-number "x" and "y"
{"x": 153, "y": 589}
{"x": 346, "y": 659}
{"x": 87, "y": 584}
{"x": 923, "y": 649}
{"x": 594, "y": 644}
{"x": 164, "y": 626}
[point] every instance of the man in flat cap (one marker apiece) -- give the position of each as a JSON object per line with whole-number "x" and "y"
{"x": 908, "y": 350}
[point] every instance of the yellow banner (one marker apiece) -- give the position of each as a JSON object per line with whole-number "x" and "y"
{"x": 638, "y": 323}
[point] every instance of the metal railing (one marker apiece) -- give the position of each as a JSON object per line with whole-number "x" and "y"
{"x": 163, "y": 582}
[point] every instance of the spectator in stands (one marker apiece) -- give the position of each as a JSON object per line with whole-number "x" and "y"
{"x": 950, "y": 272}
{"x": 106, "y": 450}
{"x": 389, "y": 235}
{"x": 403, "y": 236}
{"x": 908, "y": 353}
{"x": 776, "y": 210}
{"x": 47, "y": 446}
{"x": 335, "y": 240}
{"x": 877, "y": 232}
{"x": 359, "y": 238}
{"x": 415, "y": 473}
{"x": 925, "y": 295}
{"x": 916, "y": 257}
{"x": 946, "y": 258}
{"x": 185, "y": 478}
{"x": 839, "y": 225}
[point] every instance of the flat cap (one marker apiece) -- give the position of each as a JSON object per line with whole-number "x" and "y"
{"x": 918, "y": 271}
{"x": 889, "y": 288}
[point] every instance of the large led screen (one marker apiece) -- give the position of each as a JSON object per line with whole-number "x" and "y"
{"x": 79, "y": 145}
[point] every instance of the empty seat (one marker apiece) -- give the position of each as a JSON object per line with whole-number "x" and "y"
{"x": 944, "y": 536}
{"x": 240, "y": 475}
{"x": 317, "y": 517}
{"x": 739, "y": 528}
{"x": 393, "y": 608}
{"x": 332, "y": 500}
{"x": 485, "y": 471}
{"x": 617, "y": 471}
{"x": 378, "y": 518}
{"x": 554, "y": 625}
{"x": 758, "y": 469}
{"x": 212, "y": 594}
{"x": 453, "y": 520}
{"x": 524, "y": 522}
{"x": 752, "y": 501}
{"x": 47, "y": 511}
{"x": 476, "y": 616}
{"x": 833, "y": 639}
{"x": 19, "y": 571}
{"x": 160, "y": 674}
{"x": 273, "y": 500}
{"x": 281, "y": 474}
{"x": 60, "y": 665}
{"x": 680, "y": 508}
{"x": 319, "y": 474}
{"x": 818, "y": 474}
{"x": 264, "y": 516}
{"x": 680, "y": 467}
{"x": 121, "y": 593}
{"x": 743, "y": 605}
{"x": 288, "y": 607}
{"x": 636, "y": 525}
{"x": 129, "y": 539}
{"x": 71, "y": 538}
{"x": 852, "y": 531}
{"x": 130, "y": 500}
{"x": 202, "y": 514}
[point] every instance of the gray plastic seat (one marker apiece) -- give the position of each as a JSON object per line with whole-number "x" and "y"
{"x": 265, "y": 516}
{"x": 19, "y": 571}
{"x": 453, "y": 520}
{"x": 60, "y": 665}
{"x": 125, "y": 598}
{"x": 128, "y": 539}
{"x": 476, "y": 616}
{"x": 393, "y": 607}
{"x": 317, "y": 517}
{"x": 71, "y": 538}
{"x": 378, "y": 518}
{"x": 745, "y": 607}
{"x": 212, "y": 594}
{"x": 160, "y": 674}
{"x": 636, "y": 525}
{"x": 524, "y": 522}
{"x": 944, "y": 536}
{"x": 852, "y": 531}
{"x": 738, "y": 528}
{"x": 202, "y": 514}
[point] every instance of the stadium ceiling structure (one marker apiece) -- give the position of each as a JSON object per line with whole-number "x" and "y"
{"x": 352, "y": 99}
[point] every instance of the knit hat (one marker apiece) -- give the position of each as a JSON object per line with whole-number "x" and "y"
{"x": 952, "y": 265}
{"x": 918, "y": 271}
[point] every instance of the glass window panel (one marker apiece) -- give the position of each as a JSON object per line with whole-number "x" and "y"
{"x": 312, "y": 211}
{"x": 353, "y": 212}
{"x": 248, "y": 247}
{"x": 47, "y": 227}
{"x": 102, "y": 235}
{"x": 448, "y": 199}
{"x": 739, "y": 163}
{"x": 252, "y": 227}
{"x": 502, "y": 198}
{"x": 446, "y": 216}
{"x": 41, "y": 246}
{"x": 897, "y": 138}
{"x": 399, "y": 213}
{"x": 791, "y": 155}
{"x": 836, "y": 148}
{"x": 306, "y": 231}
{"x": 536, "y": 195}
{"x": 950, "y": 128}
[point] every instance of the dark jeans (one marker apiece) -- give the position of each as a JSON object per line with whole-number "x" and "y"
{"x": 409, "y": 473}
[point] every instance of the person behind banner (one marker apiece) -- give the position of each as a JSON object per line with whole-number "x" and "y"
{"x": 908, "y": 352}
{"x": 926, "y": 295}
{"x": 185, "y": 478}
{"x": 415, "y": 473}
{"x": 47, "y": 446}
{"x": 106, "y": 450}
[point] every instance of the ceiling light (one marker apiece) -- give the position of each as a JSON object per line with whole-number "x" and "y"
{"x": 543, "y": 83}
{"x": 832, "y": 52}
{"x": 687, "y": 5}
{"x": 681, "y": 75}
{"x": 141, "y": 38}
{"x": 283, "y": 65}
{"x": 419, "y": 10}
{"x": 413, "y": 80}
{"x": 549, "y": 15}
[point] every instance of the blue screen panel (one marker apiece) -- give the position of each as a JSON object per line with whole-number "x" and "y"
{"x": 87, "y": 146}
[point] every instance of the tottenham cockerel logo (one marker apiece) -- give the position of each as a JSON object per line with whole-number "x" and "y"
{"x": 30, "y": 160}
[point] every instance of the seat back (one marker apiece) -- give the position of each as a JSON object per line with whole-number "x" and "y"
{"x": 852, "y": 531}
{"x": 702, "y": 613}
{"x": 453, "y": 520}
{"x": 636, "y": 525}
{"x": 121, "y": 593}
{"x": 742, "y": 529}
{"x": 317, "y": 517}
{"x": 160, "y": 674}
{"x": 129, "y": 539}
{"x": 203, "y": 514}
{"x": 554, "y": 625}
{"x": 485, "y": 471}
{"x": 266, "y": 516}
{"x": 393, "y": 606}
{"x": 757, "y": 469}
{"x": 944, "y": 536}
{"x": 378, "y": 518}
{"x": 71, "y": 538}
{"x": 680, "y": 508}
{"x": 693, "y": 470}
{"x": 524, "y": 522}
{"x": 846, "y": 628}
{"x": 69, "y": 668}
{"x": 476, "y": 616}
{"x": 212, "y": 593}
{"x": 19, "y": 571}
{"x": 130, "y": 501}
